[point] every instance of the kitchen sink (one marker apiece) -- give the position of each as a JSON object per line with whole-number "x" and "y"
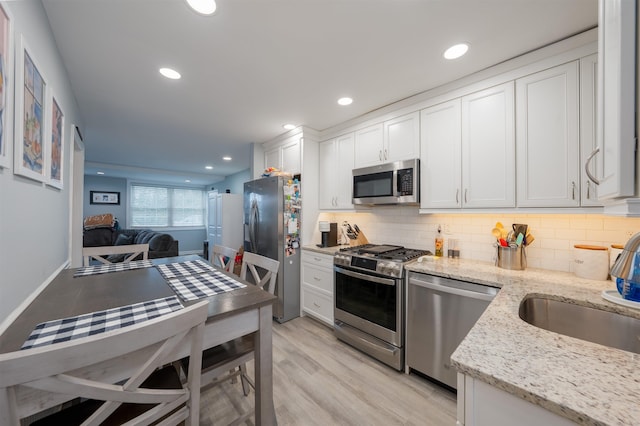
{"x": 582, "y": 322}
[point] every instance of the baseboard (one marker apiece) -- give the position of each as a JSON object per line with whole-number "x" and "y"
{"x": 17, "y": 311}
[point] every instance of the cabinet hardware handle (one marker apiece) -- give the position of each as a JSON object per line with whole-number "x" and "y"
{"x": 588, "y": 190}
{"x": 317, "y": 259}
{"x": 586, "y": 166}
{"x": 457, "y": 195}
{"x": 380, "y": 155}
{"x": 573, "y": 190}
{"x": 316, "y": 278}
{"x": 386, "y": 155}
{"x": 316, "y": 305}
{"x": 465, "y": 195}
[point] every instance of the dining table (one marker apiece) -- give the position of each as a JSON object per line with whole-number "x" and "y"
{"x": 233, "y": 313}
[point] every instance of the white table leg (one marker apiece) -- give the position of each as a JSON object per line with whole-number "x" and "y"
{"x": 264, "y": 408}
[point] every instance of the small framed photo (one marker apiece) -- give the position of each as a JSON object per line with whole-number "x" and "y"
{"x": 102, "y": 197}
{"x": 6, "y": 87}
{"x": 30, "y": 146}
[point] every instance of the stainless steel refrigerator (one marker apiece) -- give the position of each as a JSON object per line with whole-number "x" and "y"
{"x": 272, "y": 229}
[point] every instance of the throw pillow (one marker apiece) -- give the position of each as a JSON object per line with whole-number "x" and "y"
{"x": 123, "y": 240}
{"x": 160, "y": 242}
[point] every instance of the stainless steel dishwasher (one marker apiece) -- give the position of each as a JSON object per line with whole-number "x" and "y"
{"x": 440, "y": 313}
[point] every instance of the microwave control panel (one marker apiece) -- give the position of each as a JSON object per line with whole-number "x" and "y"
{"x": 405, "y": 182}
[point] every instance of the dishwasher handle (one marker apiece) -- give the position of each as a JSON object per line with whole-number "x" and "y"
{"x": 453, "y": 290}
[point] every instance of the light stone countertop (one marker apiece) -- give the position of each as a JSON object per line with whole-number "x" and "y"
{"x": 323, "y": 250}
{"x": 583, "y": 381}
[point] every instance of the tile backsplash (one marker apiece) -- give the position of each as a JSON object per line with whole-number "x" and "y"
{"x": 555, "y": 234}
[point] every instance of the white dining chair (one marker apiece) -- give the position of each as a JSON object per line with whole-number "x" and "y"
{"x": 228, "y": 360}
{"x": 223, "y": 257}
{"x": 99, "y": 253}
{"x": 112, "y": 370}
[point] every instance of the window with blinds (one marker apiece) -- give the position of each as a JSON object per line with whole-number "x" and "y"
{"x": 157, "y": 206}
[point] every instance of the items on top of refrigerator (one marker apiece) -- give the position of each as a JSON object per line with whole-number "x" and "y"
{"x": 272, "y": 171}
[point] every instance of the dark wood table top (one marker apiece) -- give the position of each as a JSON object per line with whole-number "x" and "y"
{"x": 67, "y": 296}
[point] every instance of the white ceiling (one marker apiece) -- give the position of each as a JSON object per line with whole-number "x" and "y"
{"x": 258, "y": 64}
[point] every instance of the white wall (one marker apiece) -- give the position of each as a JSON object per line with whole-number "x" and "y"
{"x": 34, "y": 218}
{"x": 234, "y": 182}
{"x": 555, "y": 234}
{"x": 109, "y": 184}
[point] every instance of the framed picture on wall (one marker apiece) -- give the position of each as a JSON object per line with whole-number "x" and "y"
{"x": 56, "y": 144}
{"x": 6, "y": 87}
{"x": 103, "y": 197}
{"x": 30, "y": 153}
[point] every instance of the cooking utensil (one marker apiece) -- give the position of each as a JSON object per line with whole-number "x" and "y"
{"x": 519, "y": 239}
{"x": 503, "y": 242}
{"x": 496, "y": 233}
{"x": 528, "y": 239}
{"x": 520, "y": 228}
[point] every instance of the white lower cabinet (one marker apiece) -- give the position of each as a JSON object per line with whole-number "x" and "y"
{"x": 480, "y": 404}
{"x": 317, "y": 286}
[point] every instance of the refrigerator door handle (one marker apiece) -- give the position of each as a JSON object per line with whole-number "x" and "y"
{"x": 253, "y": 219}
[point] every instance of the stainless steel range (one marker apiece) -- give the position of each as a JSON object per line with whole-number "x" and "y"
{"x": 369, "y": 296}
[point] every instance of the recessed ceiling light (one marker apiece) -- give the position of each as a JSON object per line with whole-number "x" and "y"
{"x": 203, "y": 7}
{"x": 227, "y": 158}
{"x": 208, "y": 167}
{"x": 170, "y": 73}
{"x": 345, "y": 101}
{"x": 289, "y": 126}
{"x": 456, "y": 51}
{"x": 99, "y": 173}
{"x": 187, "y": 181}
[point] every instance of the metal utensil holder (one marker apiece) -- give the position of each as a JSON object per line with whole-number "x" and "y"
{"x": 514, "y": 258}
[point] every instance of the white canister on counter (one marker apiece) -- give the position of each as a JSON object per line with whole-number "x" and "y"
{"x": 591, "y": 262}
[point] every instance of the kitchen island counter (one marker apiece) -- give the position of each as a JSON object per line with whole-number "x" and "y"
{"x": 582, "y": 381}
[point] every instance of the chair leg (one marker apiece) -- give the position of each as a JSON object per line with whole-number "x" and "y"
{"x": 233, "y": 374}
{"x": 244, "y": 379}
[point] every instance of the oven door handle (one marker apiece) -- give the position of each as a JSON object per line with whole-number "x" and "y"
{"x": 365, "y": 277}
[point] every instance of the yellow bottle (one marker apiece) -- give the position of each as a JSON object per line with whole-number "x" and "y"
{"x": 439, "y": 243}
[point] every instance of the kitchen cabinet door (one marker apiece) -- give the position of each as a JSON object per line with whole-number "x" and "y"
{"x": 291, "y": 155}
{"x": 488, "y": 148}
{"x": 317, "y": 285}
{"x": 369, "y": 149}
{"x": 402, "y": 138}
{"x": 336, "y": 164}
{"x": 617, "y": 98}
{"x": 547, "y": 131}
{"x": 440, "y": 165}
{"x": 588, "y": 128}
{"x": 273, "y": 158}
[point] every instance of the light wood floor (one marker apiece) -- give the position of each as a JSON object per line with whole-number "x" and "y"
{"x": 318, "y": 380}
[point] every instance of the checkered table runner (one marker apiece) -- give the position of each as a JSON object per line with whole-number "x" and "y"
{"x": 112, "y": 267}
{"x": 195, "y": 287}
{"x": 65, "y": 329}
{"x": 182, "y": 269}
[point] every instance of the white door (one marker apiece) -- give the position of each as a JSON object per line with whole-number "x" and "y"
{"x": 488, "y": 148}
{"x": 212, "y": 219}
{"x": 368, "y": 146}
{"x": 440, "y": 139}
{"x": 344, "y": 164}
{"x": 402, "y": 137}
{"x": 547, "y": 130}
{"x": 273, "y": 158}
{"x": 291, "y": 155}
{"x": 327, "y": 185}
{"x": 588, "y": 135}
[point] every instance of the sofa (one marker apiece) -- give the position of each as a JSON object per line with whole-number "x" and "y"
{"x": 160, "y": 244}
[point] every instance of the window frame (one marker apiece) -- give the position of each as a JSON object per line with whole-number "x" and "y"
{"x": 170, "y": 187}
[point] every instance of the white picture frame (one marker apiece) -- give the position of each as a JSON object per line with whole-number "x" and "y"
{"x": 31, "y": 128}
{"x": 55, "y": 141}
{"x": 7, "y": 81}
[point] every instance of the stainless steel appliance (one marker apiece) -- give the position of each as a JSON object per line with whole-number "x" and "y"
{"x": 369, "y": 299}
{"x": 440, "y": 313}
{"x": 391, "y": 183}
{"x": 271, "y": 229}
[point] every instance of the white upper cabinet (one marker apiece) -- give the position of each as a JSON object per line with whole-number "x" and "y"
{"x": 394, "y": 140}
{"x": 402, "y": 138}
{"x": 369, "y": 146}
{"x": 440, "y": 165}
{"x": 588, "y": 135}
{"x": 547, "y": 131}
{"x": 468, "y": 151}
{"x": 617, "y": 98}
{"x": 336, "y": 164}
{"x": 285, "y": 156}
{"x": 488, "y": 148}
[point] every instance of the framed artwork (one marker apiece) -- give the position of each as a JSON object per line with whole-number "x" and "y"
{"x": 6, "y": 87}
{"x": 102, "y": 197}
{"x": 56, "y": 145}
{"x": 30, "y": 153}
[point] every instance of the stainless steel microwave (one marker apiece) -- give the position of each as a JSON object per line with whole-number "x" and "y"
{"x": 391, "y": 183}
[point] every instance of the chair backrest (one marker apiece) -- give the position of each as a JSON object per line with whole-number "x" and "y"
{"x": 251, "y": 260}
{"x": 222, "y": 253}
{"x": 98, "y": 253}
{"x": 87, "y": 367}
